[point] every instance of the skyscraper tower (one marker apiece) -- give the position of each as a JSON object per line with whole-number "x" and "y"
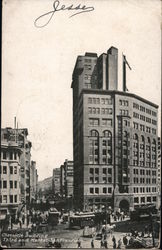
{"x": 114, "y": 138}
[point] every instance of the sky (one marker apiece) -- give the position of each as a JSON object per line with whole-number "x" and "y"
{"x": 37, "y": 64}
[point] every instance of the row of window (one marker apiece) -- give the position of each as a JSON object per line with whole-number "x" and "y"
{"x": 143, "y": 189}
{"x": 12, "y": 184}
{"x": 143, "y": 128}
{"x": 142, "y": 172}
{"x": 94, "y": 100}
{"x": 87, "y": 77}
{"x": 96, "y": 122}
{"x": 144, "y": 118}
{"x": 12, "y": 169}
{"x": 104, "y": 179}
{"x": 105, "y": 190}
{"x": 123, "y": 102}
{"x": 148, "y": 199}
{"x": 143, "y": 109}
{"x": 87, "y": 85}
{"x": 10, "y": 155}
{"x": 88, "y": 60}
{"x": 142, "y": 163}
{"x": 144, "y": 180}
{"x": 12, "y": 199}
{"x": 142, "y": 155}
{"x": 148, "y": 111}
{"x": 104, "y": 170}
{"x": 103, "y": 111}
{"x": 87, "y": 66}
{"x": 123, "y": 112}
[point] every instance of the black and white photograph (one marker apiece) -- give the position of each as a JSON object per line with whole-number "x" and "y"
{"x": 81, "y": 124}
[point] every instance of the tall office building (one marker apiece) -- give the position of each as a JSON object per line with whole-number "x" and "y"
{"x": 66, "y": 179}
{"x": 56, "y": 180}
{"x": 114, "y": 138}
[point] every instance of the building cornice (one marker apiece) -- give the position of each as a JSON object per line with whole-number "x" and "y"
{"x": 117, "y": 92}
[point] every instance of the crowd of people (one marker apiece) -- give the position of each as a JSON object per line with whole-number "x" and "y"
{"x": 35, "y": 218}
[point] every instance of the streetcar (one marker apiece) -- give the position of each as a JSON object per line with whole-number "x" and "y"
{"x": 82, "y": 220}
{"x": 143, "y": 213}
{"x": 53, "y": 218}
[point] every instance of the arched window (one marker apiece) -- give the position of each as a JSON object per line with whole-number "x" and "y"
{"x": 94, "y": 147}
{"x": 107, "y": 147}
{"x": 135, "y": 137}
{"x": 142, "y": 138}
{"x": 148, "y": 140}
{"x": 94, "y": 133}
{"x": 107, "y": 133}
{"x": 142, "y": 151}
{"x": 135, "y": 150}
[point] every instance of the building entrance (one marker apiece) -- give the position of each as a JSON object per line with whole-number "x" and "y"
{"x": 124, "y": 206}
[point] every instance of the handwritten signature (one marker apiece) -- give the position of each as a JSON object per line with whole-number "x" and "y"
{"x": 56, "y": 7}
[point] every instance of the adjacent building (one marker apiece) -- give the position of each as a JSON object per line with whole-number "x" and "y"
{"x": 15, "y": 169}
{"x": 10, "y": 195}
{"x": 115, "y": 138}
{"x": 159, "y": 172}
{"x": 33, "y": 181}
{"x": 56, "y": 181}
{"x": 66, "y": 179}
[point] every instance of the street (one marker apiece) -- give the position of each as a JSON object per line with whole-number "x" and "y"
{"x": 68, "y": 238}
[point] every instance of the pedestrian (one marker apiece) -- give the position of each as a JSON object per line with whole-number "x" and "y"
{"x": 102, "y": 243}
{"x": 27, "y": 220}
{"x": 125, "y": 240}
{"x": 103, "y": 230}
{"x": 105, "y": 236}
{"x": 20, "y": 224}
{"x": 119, "y": 244}
{"x": 114, "y": 242}
{"x": 92, "y": 243}
{"x": 79, "y": 243}
{"x": 23, "y": 218}
{"x": 105, "y": 244}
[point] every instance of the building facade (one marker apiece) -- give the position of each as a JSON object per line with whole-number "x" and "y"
{"x": 17, "y": 138}
{"x": 66, "y": 179}
{"x": 10, "y": 193}
{"x": 114, "y": 138}
{"x": 159, "y": 172}
{"x": 33, "y": 181}
{"x": 56, "y": 181}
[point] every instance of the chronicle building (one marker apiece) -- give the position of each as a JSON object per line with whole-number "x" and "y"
{"x": 114, "y": 138}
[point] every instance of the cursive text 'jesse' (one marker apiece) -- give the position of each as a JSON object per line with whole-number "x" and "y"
{"x": 44, "y": 19}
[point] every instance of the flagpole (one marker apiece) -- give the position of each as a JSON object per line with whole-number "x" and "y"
{"x": 124, "y": 73}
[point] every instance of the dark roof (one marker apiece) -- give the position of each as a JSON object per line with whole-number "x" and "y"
{"x": 91, "y": 54}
